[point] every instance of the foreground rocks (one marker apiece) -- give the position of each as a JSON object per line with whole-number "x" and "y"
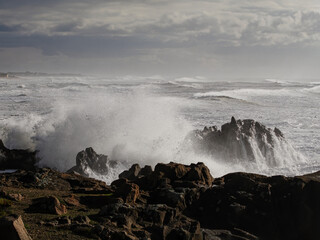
{"x": 12, "y": 227}
{"x": 173, "y": 201}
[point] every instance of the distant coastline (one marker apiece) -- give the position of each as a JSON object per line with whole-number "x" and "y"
{"x": 30, "y": 74}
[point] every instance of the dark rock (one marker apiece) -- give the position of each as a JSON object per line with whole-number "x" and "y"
{"x": 268, "y": 207}
{"x": 226, "y": 234}
{"x": 88, "y": 160}
{"x": 132, "y": 173}
{"x": 65, "y": 220}
{"x": 173, "y": 171}
{"x": 145, "y": 171}
{"x": 17, "y": 159}
{"x": 200, "y": 174}
{"x": 12, "y": 228}
{"x": 49, "y": 204}
{"x": 81, "y": 220}
{"x": 169, "y": 197}
{"x": 234, "y": 141}
{"x": 129, "y": 192}
{"x": 72, "y": 200}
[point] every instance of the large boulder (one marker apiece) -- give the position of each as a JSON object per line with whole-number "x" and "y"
{"x": 48, "y": 204}
{"x": 12, "y": 228}
{"x": 169, "y": 174}
{"x": 129, "y": 192}
{"x": 17, "y": 158}
{"x": 275, "y": 207}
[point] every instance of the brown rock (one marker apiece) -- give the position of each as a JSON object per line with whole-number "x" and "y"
{"x": 12, "y": 196}
{"x": 49, "y": 204}
{"x": 129, "y": 192}
{"x": 199, "y": 173}
{"x": 173, "y": 171}
{"x": 12, "y": 228}
{"x": 72, "y": 201}
{"x": 132, "y": 173}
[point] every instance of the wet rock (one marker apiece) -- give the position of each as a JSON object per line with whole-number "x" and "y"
{"x": 88, "y": 160}
{"x": 238, "y": 140}
{"x": 12, "y": 228}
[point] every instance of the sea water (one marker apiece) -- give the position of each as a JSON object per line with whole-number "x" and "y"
{"x": 146, "y": 119}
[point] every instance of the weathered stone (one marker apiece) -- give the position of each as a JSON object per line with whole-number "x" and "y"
{"x": 49, "y": 204}
{"x": 12, "y": 228}
{"x": 173, "y": 171}
{"x": 132, "y": 173}
{"x": 129, "y": 192}
{"x": 199, "y": 173}
{"x": 72, "y": 200}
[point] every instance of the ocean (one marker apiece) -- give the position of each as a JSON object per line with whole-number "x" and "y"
{"x": 146, "y": 119}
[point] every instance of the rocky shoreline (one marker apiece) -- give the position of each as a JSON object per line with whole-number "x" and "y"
{"x": 172, "y": 201}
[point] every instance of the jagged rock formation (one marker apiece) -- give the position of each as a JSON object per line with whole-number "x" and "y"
{"x": 89, "y": 161}
{"x": 244, "y": 140}
{"x": 237, "y": 141}
{"x": 17, "y": 159}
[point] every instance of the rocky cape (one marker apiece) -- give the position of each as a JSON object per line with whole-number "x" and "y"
{"x": 171, "y": 201}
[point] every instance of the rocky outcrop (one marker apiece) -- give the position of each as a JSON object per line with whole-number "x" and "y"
{"x": 17, "y": 159}
{"x": 50, "y": 204}
{"x": 12, "y": 228}
{"x": 89, "y": 161}
{"x": 269, "y": 207}
{"x": 244, "y": 140}
{"x": 173, "y": 201}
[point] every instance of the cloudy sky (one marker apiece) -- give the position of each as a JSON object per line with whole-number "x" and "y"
{"x": 217, "y": 38}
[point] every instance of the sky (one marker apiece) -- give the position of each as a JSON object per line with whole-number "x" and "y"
{"x": 217, "y": 38}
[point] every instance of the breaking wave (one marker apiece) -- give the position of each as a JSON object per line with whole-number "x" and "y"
{"x": 130, "y": 127}
{"x": 246, "y": 94}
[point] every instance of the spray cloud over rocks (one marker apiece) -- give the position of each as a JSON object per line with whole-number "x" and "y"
{"x": 129, "y": 127}
{"x": 134, "y": 127}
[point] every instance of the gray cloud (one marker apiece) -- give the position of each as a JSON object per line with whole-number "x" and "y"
{"x": 8, "y": 29}
{"x": 154, "y": 33}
